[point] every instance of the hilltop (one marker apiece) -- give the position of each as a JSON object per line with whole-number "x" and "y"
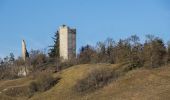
{"x": 138, "y": 84}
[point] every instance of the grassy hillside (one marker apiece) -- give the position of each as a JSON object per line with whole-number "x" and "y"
{"x": 140, "y": 84}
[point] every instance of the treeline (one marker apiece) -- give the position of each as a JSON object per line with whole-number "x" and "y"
{"x": 152, "y": 53}
{"x": 11, "y": 67}
{"x": 129, "y": 53}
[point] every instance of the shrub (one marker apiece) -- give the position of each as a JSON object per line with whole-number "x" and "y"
{"x": 44, "y": 81}
{"x": 5, "y": 97}
{"x": 97, "y": 78}
{"x": 68, "y": 63}
{"x": 17, "y": 91}
{"x": 33, "y": 88}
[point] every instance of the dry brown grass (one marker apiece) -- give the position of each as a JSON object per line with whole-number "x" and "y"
{"x": 140, "y": 84}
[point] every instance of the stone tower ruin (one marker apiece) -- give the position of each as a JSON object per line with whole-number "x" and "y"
{"x": 67, "y": 42}
{"x": 24, "y": 51}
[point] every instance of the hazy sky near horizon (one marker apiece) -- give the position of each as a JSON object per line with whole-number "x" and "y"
{"x": 36, "y": 21}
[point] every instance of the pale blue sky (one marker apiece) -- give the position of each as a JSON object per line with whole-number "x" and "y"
{"x": 95, "y": 20}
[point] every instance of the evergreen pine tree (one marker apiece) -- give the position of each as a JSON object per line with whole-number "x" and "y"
{"x": 54, "y": 50}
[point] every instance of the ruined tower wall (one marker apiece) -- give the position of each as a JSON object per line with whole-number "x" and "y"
{"x": 63, "y": 40}
{"x": 24, "y": 50}
{"x": 67, "y": 42}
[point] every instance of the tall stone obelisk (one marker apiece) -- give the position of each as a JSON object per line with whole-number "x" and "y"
{"x": 24, "y": 50}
